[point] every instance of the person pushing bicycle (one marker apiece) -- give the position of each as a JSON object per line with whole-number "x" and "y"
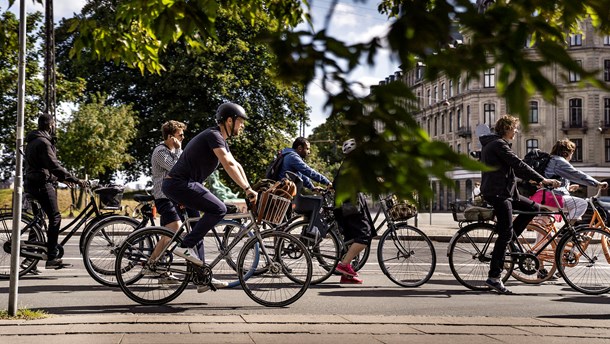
{"x": 201, "y": 157}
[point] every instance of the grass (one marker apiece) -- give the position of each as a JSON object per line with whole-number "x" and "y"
{"x": 64, "y": 200}
{"x": 24, "y": 314}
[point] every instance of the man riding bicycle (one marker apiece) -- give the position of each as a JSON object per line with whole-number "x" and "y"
{"x": 201, "y": 157}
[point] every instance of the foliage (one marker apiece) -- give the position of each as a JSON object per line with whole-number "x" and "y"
{"x": 24, "y": 313}
{"x": 401, "y": 153}
{"x": 96, "y": 138}
{"x": 192, "y": 86}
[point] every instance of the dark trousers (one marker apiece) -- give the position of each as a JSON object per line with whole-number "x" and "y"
{"x": 506, "y": 226}
{"x": 194, "y": 195}
{"x": 47, "y": 197}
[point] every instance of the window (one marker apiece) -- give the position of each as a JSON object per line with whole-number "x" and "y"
{"x": 607, "y": 150}
{"x": 429, "y": 97}
{"x": 442, "y": 123}
{"x": 574, "y": 77}
{"x": 459, "y": 148}
{"x": 606, "y": 112}
{"x": 576, "y": 40}
{"x": 443, "y": 91}
{"x": 606, "y": 70}
{"x": 575, "y": 113}
{"x": 435, "y": 94}
{"x": 489, "y": 78}
{"x": 607, "y": 40}
{"x": 459, "y": 85}
{"x": 435, "y": 125}
{"x": 450, "y": 88}
{"x": 533, "y": 112}
{"x": 489, "y": 114}
{"x": 468, "y": 114}
{"x": 458, "y": 113}
{"x": 450, "y": 121}
{"x": 429, "y": 132}
{"x": 577, "y": 157}
{"x": 530, "y": 144}
{"x": 468, "y": 147}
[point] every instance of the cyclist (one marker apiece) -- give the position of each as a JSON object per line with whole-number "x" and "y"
{"x": 499, "y": 189}
{"x": 294, "y": 162}
{"x": 560, "y": 166}
{"x": 356, "y": 226}
{"x": 42, "y": 172}
{"x": 201, "y": 157}
{"x": 163, "y": 158}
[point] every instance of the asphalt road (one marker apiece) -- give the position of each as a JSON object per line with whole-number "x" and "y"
{"x": 72, "y": 292}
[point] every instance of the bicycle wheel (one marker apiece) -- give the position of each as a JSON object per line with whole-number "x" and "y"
{"x": 532, "y": 239}
{"x": 29, "y": 233}
{"x": 216, "y": 244}
{"x": 583, "y": 259}
{"x": 470, "y": 255}
{"x": 101, "y": 247}
{"x": 283, "y": 268}
{"x": 406, "y": 255}
{"x": 150, "y": 283}
{"x": 324, "y": 254}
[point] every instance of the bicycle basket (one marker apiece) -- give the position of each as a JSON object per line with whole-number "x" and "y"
{"x": 110, "y": 197}
{"x": 475, "y": 213}
{"x": 273, "y": 207}
{"x": 400, "y": 210}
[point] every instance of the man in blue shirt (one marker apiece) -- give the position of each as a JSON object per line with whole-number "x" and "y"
{"x": 294, "y": 162}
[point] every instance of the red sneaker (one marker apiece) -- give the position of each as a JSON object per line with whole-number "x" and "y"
{"x": 350, "y": 280}
{"x": 346, "y": 269}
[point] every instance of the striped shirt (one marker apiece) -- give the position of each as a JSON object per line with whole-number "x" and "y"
{"x": 162, "y": 161}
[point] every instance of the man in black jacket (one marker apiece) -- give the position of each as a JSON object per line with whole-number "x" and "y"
{"x": 499, "y": 189}
{"x": 42, "y": 172}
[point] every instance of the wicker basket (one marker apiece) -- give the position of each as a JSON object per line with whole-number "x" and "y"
{"x": 400, "y": 210}
{"x": 110, "y": 197}
{"x": 272, "y": 208}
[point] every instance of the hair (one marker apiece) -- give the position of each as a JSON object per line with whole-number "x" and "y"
{"x": 170, "y": 127}
{"x": 300, "y": 141}
{"x": 45, "y": 121}
{"x": 506, "y": 123}
{"x": 563, "y": 148}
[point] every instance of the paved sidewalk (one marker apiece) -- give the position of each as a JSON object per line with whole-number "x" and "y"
{"x": 294, "y": 329}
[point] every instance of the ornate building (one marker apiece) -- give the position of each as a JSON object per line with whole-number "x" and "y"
{"x": 452, "y": 110}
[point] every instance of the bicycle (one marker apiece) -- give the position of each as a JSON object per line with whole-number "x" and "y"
{"x": 273, "y": 268}
{"x": 405, "y": 253}
{"x": 33, "y": 227}
{"x": 581, "y": 255}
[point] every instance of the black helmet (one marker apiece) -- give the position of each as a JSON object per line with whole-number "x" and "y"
{"x": 227, "y": 110}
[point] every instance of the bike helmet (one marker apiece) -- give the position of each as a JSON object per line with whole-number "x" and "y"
{"x": 229, "y": 110}
{"x": 349, "y": 146}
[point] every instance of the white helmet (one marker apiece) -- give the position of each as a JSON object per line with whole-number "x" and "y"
{"x": 349, "y": 146}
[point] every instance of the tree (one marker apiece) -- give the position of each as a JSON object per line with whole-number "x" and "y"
{"x": 96, "y": 139}
{"x": 401, "y": 153}
{"x": 192, "y": 86}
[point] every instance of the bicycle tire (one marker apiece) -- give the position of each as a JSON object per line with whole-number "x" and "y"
{"x": 583, "y": 260}
{"x": 102, "y": 245}
{"x": 470, "y": 255}
{"x": 528, "y": 239}
{"x": 29, "y": 232}
{"x": 146, "y": 287}
{"x": 406, "y": 256}
{"x": 226, "y": 269}
{"x": 284, "y": 266}
{"x": 325, "y": 255}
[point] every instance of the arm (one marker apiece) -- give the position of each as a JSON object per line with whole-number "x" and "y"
{"x": 165, "y": 159}
{"x": 50, "y": 162}
{"x": 234, "y": 169}
{"x": 565, "y": 170}
{"x": 300, "y": 166}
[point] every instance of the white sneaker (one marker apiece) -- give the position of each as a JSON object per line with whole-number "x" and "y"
{"x": 218, "y": 284}
{"x": 189, "y": 254}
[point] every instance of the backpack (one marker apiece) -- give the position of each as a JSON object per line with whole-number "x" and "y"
{"x": 273, "y": 171}
{"x": 538, "y": 160}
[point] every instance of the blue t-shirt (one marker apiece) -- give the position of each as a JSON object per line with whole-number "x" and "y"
{"x": 198, "y": 160}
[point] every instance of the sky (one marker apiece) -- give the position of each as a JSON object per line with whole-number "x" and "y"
{"x": 353, "y": 22}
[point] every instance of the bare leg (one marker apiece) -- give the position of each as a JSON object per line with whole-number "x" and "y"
{"x": 173, "y": 226}
{"x": 353, "y": 251}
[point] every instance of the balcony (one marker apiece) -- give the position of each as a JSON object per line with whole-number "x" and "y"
{"x": 568, "y": 127}
{"x": 464, "y": 132}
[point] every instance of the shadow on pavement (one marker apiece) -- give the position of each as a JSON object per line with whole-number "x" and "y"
{"x": 176, "y": 308}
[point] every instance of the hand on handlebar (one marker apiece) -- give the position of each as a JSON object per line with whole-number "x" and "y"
{"x": 251, "y": 195}
{"x": 551, "y": 182}
{"x": 603, "y": 185}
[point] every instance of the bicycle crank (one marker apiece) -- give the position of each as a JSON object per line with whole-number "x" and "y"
{"x": 528, "y": 263}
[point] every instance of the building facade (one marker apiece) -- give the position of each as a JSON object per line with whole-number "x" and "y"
{"x": 453, "y": 111}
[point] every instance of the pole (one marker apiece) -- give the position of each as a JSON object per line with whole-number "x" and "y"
{"x": 18, "y": 185}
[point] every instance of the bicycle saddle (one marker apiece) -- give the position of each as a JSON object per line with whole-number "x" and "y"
{"x": 143, "y": 198}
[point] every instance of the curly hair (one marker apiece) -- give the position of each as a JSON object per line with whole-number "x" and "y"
{"x": 563, "y": 148}
{"x": 170, "y": 127}
{"x": 506, "y": 123}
